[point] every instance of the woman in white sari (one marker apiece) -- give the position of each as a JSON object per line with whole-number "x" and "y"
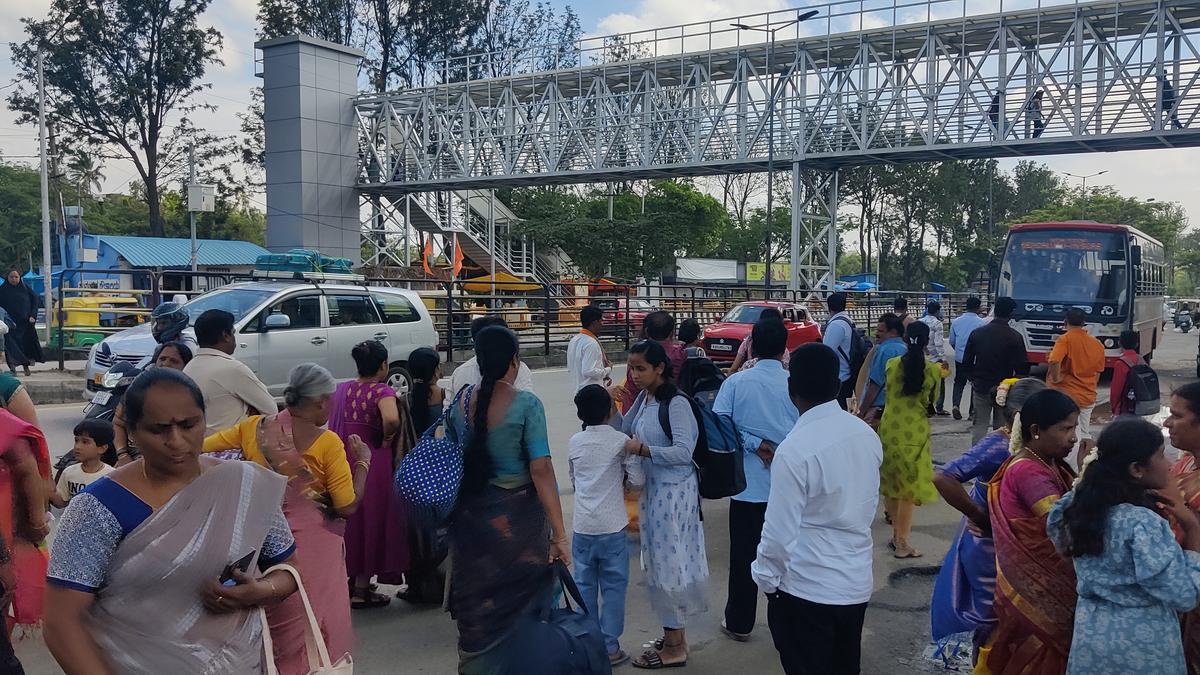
{"x": 133, "y": 580}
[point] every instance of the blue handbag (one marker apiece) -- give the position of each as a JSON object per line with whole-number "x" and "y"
{"x": 430, "y": 475}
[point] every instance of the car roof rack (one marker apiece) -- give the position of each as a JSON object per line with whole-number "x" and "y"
{"x": 312, "y": 277}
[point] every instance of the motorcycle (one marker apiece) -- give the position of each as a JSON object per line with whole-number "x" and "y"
{"x": 1184, "y": 323}
{"x": 103, "y": 405}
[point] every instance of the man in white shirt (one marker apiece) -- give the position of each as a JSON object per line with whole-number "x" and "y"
{"x": 839, "y": 331}
{"x": 935, "y": 352}
{"x": 960, "y": 330}
{"x": 586, "y": 362}
{"x": 231, "y": 390}
{"x": 468, "y": 372}
{"x": 814, "y": 561}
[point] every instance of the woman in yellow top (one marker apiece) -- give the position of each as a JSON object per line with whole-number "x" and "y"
{"x": 321, "y": 492}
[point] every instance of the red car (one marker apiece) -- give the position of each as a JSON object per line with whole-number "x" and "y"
{"x": 617, "y": 314}
{"x": 722, "y": 339}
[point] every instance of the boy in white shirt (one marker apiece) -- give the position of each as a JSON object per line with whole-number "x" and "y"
{"x": 600, "y": 470}
{"x": 93, "y": 439}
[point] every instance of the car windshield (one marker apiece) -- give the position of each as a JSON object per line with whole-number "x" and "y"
{"x": 744, "y": 314}
{"x": 641, "y": 305}
{"x": 1080, "y": 267}
{"x": 236, "y": 301}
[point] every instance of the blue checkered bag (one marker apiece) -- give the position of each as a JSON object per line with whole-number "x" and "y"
{"x": 431, "y": 473}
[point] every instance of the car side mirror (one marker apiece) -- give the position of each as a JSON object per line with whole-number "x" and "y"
{"x": 277, "y": 321}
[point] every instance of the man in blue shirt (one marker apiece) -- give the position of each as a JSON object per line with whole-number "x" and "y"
{"x": 838, "y": 332}
{"x": 757, "y": 401}
{"x": 961, "y": 329}
{"x": 889, "y": 334}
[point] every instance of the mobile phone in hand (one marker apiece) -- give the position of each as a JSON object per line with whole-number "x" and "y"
{"x": 242, "y": 564}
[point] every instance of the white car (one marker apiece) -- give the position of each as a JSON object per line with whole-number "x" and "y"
{"x": 280, "y": 324}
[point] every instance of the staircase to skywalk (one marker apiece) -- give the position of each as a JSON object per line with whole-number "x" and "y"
{"x": 466, "y": 213}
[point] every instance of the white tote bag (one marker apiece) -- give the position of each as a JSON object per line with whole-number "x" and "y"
{"x": 319, "y": 662}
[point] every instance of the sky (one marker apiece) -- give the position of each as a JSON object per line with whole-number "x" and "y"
{"x": 1166, "y": 175}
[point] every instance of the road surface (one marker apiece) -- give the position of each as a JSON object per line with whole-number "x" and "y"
{"x": 409, "y": 639}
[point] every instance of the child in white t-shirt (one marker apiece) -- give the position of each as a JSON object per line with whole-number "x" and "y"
{"x": 93, "y": 439}
{"x": 600, "y": 470}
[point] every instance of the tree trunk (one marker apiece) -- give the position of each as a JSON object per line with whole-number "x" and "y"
{"x": 155, "y": 205}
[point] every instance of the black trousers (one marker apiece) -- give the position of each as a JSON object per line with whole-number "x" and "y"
{"x": 845, "y": 392}
{"x": 815, "y": 639}
{"x": 745, "y": 531}
{"x": 960, "y": 383}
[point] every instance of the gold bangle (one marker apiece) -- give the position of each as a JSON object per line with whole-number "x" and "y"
{"x": 274, "y": 591}
{"x": 364, "y": 464}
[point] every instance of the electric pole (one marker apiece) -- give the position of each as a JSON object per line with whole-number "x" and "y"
{"x": 47, "y": 275}
{"x": 191, "y": 213}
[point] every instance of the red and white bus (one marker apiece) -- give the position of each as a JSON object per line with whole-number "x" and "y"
{"x": 1115, "y": 273}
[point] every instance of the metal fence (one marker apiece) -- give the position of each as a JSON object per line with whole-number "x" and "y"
{"x": 544, "y": 316}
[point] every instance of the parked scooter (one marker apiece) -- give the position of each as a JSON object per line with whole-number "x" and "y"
{"x": 1184, "y": 323}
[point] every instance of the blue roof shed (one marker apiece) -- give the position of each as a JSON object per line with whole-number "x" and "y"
{"x": 169, "y": 252}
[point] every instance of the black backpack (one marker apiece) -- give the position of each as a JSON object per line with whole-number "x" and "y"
{"x": 860, "y": 346}
{"x": 699, "y": 377}
{"x": 1141, "y": 392}
{"x": 718, "y": 453}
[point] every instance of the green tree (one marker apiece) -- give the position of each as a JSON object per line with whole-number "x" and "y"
{"x": 85, "y": 173}
{"x": 116, "y": 72}
{"x": 20, "y": 215}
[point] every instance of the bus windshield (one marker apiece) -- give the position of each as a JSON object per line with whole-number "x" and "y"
{"x": 1066, "y": 267}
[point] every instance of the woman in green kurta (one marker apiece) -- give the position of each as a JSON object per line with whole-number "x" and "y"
{"x": 906, "y": 476}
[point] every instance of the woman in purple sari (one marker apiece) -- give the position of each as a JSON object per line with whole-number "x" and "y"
{"x": 966, "y": 585}
{"x": 377, "y": 534}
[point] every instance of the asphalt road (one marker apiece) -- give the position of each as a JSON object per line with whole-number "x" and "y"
{"x": 409, "y": 639}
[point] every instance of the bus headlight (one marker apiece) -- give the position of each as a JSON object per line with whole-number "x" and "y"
{"x": 1109, "y": 343}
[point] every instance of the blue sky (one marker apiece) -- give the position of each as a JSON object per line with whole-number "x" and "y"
{"x": 1167, "y": 175}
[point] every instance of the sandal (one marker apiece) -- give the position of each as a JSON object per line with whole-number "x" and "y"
{"x": 652, "y": 660}
{"x": 910, "y": 553}
{"x": 368, "y": 600}
{"x": 617, "y": 658}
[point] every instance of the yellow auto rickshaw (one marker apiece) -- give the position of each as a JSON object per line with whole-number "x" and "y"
{"x": 90, "y": 318}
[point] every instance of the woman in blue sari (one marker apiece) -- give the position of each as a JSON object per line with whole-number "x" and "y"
{"x": 963, "y": 593}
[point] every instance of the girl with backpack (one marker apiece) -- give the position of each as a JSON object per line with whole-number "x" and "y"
{"x": 672, "y": 542}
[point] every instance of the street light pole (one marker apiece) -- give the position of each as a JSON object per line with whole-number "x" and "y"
{"x": 1083, "y": 188}
{"x": 771, "y": 133}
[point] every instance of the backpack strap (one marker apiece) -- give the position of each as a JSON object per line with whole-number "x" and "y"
{"x": 664, "y": 418}
{"x": 853, "y": 330}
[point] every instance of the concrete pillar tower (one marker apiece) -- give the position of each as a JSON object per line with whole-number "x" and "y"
{"x": 311, "y": 145}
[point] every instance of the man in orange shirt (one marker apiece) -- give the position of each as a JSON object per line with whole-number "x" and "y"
{"x": 1075, "y": 366}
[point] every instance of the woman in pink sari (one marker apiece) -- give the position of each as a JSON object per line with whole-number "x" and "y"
{"x": 1035, "y": 586}
{"x": 321, "y": 491}
{"x": 377, "y": 533}
{"x": 134, "y": 579}
{"x": 1183, "y": 424}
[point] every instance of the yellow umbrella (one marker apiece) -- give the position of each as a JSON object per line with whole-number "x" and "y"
{"x": 504, "y": 282}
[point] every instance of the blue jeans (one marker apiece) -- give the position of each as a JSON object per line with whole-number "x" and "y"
{"x": 602, "y": 573}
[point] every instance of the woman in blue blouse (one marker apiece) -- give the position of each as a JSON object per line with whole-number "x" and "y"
{"x": 1133, "y": 578}
{"x": 508, "y": 524}
{"x": 673, "y": 557}
{"x": 134, "y": 572}
{"x": 966, "y": 584}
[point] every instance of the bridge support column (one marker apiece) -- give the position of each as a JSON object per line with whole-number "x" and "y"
{"x": 814, "y": 228}
{"x": 311, "y": 151}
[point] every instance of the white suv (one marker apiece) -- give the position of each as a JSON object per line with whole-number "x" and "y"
{"x": 280, "y": 324}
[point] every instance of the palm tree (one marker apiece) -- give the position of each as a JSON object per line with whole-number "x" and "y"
{"x": 85, "y": 173}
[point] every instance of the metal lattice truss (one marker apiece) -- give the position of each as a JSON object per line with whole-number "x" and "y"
{"x": 814, "y": 233}
{"x": 1099, "y": 76}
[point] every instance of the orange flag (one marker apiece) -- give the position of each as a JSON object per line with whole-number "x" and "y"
{"x": 458, "y": 259}
{"x": 426, "y": 255}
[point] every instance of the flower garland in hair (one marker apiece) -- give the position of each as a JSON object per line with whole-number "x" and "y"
{"x": 1002, "y": 390}
{"x": 1088, "y": 460}
{"x": 1015, "y": 440}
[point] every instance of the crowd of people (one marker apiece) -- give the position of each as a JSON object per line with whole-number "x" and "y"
{"x": 208, "y": 501}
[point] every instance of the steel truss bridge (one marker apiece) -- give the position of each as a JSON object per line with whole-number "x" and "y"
{"x": 865, "y": 81}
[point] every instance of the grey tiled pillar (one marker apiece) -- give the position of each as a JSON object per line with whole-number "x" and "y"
{"x": 311, "y": 145}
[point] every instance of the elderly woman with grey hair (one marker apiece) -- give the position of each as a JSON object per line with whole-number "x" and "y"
{"x": 322, "y": 491}
{"x": 963, "y": 592}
